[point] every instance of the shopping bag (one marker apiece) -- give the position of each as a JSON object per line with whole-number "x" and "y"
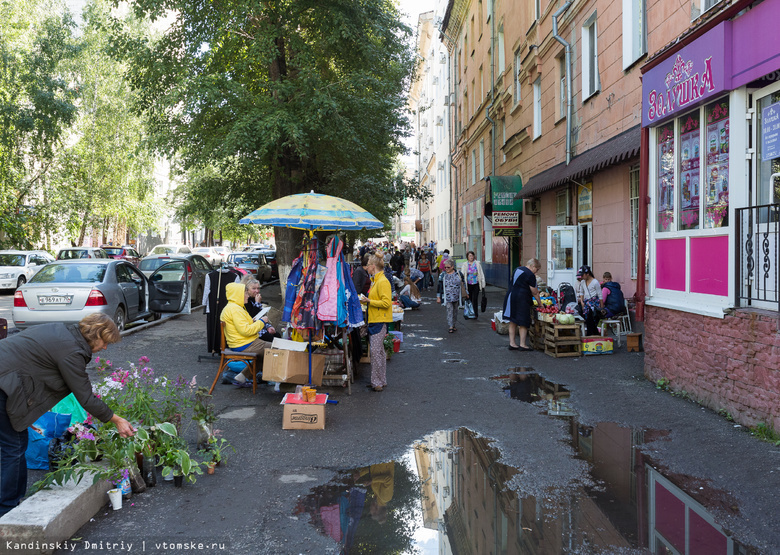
{"x": 468, "y": 310}
{"x": 484, "y": 302}
{"x": 51, "y": 425}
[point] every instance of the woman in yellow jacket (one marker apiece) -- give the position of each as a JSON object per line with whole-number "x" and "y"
{"x": 242, "y": 333}
{"x": 380, "y": 313}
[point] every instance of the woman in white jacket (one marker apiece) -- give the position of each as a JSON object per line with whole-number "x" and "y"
{"x": 471, "y": 270}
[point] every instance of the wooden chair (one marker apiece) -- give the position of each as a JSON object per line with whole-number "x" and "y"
{"x": 228, "y": 356}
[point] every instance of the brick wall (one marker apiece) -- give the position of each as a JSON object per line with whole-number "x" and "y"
{"x": 731, "y": 364}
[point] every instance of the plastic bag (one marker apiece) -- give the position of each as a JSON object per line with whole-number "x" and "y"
{"x": 52, "y": 425}
{"x": 468, "y": 310}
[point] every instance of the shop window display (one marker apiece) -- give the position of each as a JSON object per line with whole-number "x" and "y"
{"x": 686, "y": 197}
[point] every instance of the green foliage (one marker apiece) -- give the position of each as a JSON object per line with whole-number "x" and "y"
{"x": 662, "y": 383}
{"x": 726, "y": 414}
{"x": 765, "y": 432}
{"x": 263, "y": 99}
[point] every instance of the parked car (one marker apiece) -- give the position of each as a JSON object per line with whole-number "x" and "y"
{"x": 270, "y": 256}
{"x": 252, "y": 262}
{"x": 211, "y": 254}
{"x": 126, "y": 252}
{"x": 74, "y": 253}
{"x": 17, "y": 267}
{"x": 170, "y": 249}
{"x": 224, "y": 252}
{"x": 67, "y": 290}
{"x": 197, "y": 269}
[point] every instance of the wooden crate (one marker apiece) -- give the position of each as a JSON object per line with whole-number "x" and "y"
{"x": 562, "y": 340}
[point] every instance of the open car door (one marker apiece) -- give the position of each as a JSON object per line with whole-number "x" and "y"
{"x": 169, "y": 287}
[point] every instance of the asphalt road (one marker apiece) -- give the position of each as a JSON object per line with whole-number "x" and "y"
{"x": 249, "y": 504}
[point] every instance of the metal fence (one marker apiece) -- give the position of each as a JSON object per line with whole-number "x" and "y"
{"x": 758, "y": 254}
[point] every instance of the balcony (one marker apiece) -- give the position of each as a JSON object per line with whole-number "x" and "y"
{"x": 758, "y": 252}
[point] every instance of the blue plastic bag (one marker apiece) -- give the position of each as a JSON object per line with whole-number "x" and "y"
{"x": 52, "y": 425}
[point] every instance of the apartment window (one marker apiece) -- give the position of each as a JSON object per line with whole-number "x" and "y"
{"x": 503, "y": 139}
{"x": 633, "y": 201}
{"x": 473, "y": 166}
{"x": 489, "y": 8}
{"x": 538, "y": 107}
{"x": 562, "y": 208}
{"x": 481, "y": 86}
{"x": 590, "y": 60}
{"x": 518, "y": 61}
{"x": 698, "y": 7}
{"x": 500, "y": 47}
{"x": 481, "y": 14}
{"x": 474, "y": 101}
{"x": 634, "y": 31}
{"x": 537, "y": 9}
{"x": 562, "y": 97}
{"x": 482, "y": 159}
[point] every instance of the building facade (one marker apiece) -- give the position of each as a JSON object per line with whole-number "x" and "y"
{"x": 711, "y": 123}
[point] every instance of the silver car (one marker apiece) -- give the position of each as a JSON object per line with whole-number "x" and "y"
{"x": 17, "y": 267}
{"x": 67, "y": 290}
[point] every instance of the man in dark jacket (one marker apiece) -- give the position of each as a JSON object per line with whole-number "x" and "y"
{"x": 38, "y": 368}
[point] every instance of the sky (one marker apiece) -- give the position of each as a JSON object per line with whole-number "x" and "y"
{"x": 413, "y": 8}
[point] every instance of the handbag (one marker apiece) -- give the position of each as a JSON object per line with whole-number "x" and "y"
{"x": 468, "y": 310}
{"x": 484, "y": 302}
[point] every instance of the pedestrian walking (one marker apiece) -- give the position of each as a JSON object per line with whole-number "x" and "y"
{"x": 424, "y": 265}
{"x": 475, "y": 279}
{"x": 380, "y": 313}
{"x": 517, "y": 303}
{"x": 38, "y": 368}
{"x": 451, "y": 290}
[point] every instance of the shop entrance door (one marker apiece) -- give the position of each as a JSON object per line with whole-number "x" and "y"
{"x": 562, "y": 255}
{"x": 760, "y": 273}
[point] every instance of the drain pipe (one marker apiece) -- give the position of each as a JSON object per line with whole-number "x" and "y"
{"x": 567, "y": 61}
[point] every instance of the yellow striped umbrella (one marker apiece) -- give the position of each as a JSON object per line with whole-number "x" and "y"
{"x": 312, "y": 211}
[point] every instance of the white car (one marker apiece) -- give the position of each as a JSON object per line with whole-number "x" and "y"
{"x": 211, "y": 254}
{"x": 17, "y": 267}
{"x": 170, "y": 249}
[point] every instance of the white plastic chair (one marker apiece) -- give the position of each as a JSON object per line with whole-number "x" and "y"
{"x": 625, "y": 322}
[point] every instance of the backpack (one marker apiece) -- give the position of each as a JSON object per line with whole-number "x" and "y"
{"x": 566, "y": 294}
{"x": 615, "y": 300}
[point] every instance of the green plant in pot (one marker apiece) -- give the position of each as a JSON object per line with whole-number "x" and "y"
{"x": 204, "y": 415}
{"x": 179, "y": 464}
{"x": 215, "y": 450}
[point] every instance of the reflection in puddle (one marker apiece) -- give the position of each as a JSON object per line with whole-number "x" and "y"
{"x": 525, "y": 385}
{"x": 449, "y": 494}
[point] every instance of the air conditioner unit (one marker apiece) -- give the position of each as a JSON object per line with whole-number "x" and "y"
{"x": 439, "y": 120}
{"x": 533, "y": 206}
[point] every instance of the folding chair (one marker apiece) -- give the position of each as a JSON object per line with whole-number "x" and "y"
{"x": 228, "y": 356}
{"x": 625, "y": 321}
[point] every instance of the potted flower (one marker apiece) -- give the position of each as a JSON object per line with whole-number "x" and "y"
{"x": 179, "y": 464}
{"x": 204, "y": 415}
{"x": 215, "y": 451}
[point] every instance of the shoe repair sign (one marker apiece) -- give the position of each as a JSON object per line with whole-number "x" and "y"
{"x": 504, "y": 219}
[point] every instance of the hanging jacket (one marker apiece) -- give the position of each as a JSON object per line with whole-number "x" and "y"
{"x": 328, "y": 306}
{"x": 293, "y": 282}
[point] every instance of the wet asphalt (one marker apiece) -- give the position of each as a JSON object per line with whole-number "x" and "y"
{"x": 248, "y": 505}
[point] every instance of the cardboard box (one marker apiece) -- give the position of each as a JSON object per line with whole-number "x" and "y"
{"x": 303, "y": 416}
{"x": 281, "y": 365}
{"x": 597, "y": 345}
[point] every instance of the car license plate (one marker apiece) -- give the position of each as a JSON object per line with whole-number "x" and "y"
{"x": 55, "y": 299}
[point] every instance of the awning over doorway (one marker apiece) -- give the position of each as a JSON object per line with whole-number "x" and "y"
{"x": 501, "y": 193}
{"x": 616, "y": 150}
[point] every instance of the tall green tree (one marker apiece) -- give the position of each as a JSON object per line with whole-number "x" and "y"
{"x": 37, "y": 106}
{"x": 279, "y": 96}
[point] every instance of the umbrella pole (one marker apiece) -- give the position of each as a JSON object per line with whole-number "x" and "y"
{"x": 311, "y": 234}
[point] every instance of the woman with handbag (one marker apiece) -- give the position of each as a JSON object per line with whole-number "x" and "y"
{"x": 450, "y": 291}
{"x": 475, "y": 280}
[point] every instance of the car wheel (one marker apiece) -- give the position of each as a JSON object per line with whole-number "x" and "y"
{"x": 196, "y": 300}
{"x": 21, "y": 281}
{"x": 119, "y": 318}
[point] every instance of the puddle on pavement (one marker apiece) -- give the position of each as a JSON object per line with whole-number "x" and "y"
{"x": 448, "y": 494}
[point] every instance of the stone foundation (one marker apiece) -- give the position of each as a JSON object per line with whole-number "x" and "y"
{"x": 730, "y": 364}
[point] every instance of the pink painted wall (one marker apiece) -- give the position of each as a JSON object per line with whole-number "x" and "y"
{"x": 710, "y": 265}
{"x": 670, "y": 264}
{"x": 730, "y": 363}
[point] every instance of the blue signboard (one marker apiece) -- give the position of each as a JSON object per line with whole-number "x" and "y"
{"x": 770, "y": 132}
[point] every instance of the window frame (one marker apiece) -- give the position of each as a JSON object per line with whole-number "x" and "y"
{"x": 634, "y": 26}
{"x": 590, "y": 58}
{"x": 537, "y": 125}
{"x": 518, "y": 96}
